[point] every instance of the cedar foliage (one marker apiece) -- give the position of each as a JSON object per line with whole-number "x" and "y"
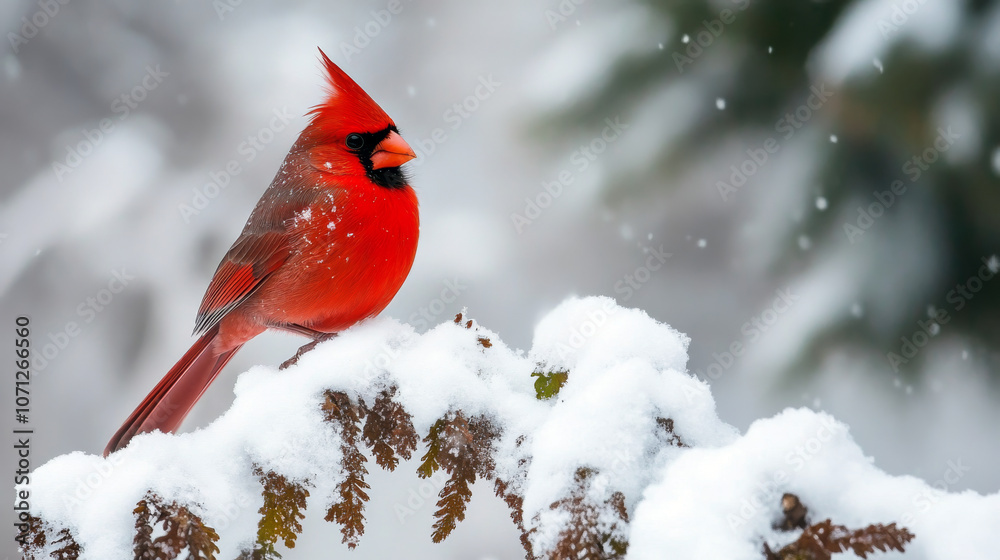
{"x": 516, "y": 504}
{"x": 668, "y": 435}
{"x": 822, "y": 540}
{"x": 389, "y": 431}
{"x": 593, "y": 518}
{"x": 63, "y": 545}
{"x": 588, "y": 534}
{"x": 463, "y": 448}
{"x": 182, "y": 531}
{"x": 348, "y": 511}
{"x": 280, "y": 516}
{"x": 515, "y": 501}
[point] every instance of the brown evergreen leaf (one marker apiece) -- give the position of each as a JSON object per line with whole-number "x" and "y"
{"x": 39, "y": 533}
{"x": 32, "y": 542}
{"x": 485, "y": 342}
{"x": 143, "y": 539}
{"x": 454, "y": 496}
{"x": 429, "y": 462}
{"x": 388, "y": 431}
{"x": 587, "y": 535}
{"x": 670, "y": 436}
{"x": 458, "y": 321}
{"x": 515, "y": 502}
{"x": 878, "y": 537}
{"x": 822, "y": 540}
{"x": 260, "y": 552}
{"x": 464, "y": 449}
{"x": 348, "y": 511}
{"x": 281, "y": 513}
{"x": 189, "y": 531}
{"x": 182, "y": 531}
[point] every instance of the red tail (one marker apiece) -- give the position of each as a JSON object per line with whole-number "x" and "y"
{"x": 165, "y": 407}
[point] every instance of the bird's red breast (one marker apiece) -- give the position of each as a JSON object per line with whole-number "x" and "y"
{"x": 333, "y": 237}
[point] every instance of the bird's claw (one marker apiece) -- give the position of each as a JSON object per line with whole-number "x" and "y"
{"x": 321, "y": 337}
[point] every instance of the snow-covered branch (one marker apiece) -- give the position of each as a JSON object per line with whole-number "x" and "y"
{"x": 597, "y": 438}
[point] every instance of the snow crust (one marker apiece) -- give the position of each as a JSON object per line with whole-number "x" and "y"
{"x": 717, "y": 497}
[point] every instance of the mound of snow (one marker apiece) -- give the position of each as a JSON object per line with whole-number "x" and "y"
{"x": 715, "y": 496}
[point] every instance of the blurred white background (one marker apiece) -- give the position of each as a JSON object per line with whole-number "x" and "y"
{"x": 222, "y": 69}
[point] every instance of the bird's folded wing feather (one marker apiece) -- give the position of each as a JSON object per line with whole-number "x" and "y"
{"x": 245, "y": 267}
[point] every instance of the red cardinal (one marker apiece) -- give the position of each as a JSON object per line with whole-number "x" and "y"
{"x": 328, "y": 244}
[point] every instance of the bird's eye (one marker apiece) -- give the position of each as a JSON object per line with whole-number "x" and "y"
{"x": 355, "y": 141}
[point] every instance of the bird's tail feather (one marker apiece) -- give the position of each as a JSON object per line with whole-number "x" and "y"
{"x": 166, "y": 406}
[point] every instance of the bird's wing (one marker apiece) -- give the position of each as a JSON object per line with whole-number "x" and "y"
{"x": 248, "y": 263}
{"x": 267, "y": 240}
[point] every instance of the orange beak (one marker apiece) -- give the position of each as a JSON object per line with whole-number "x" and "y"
{"x": 392, "y": 152}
